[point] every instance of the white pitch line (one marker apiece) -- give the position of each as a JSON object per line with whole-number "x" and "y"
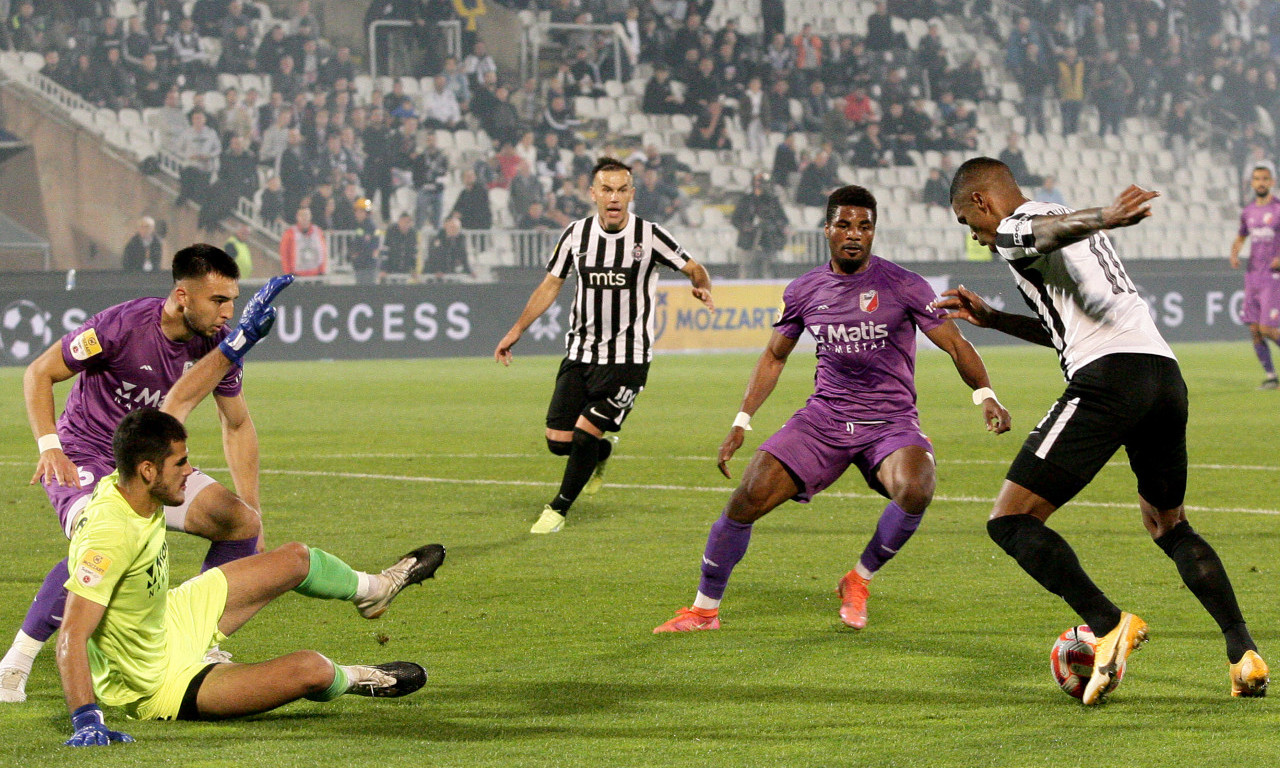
{"x": 660, "y": 487}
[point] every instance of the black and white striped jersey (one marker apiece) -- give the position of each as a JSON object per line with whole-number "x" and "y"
{"x": 614, "y": 302}
{"x": 1082, "y": 293}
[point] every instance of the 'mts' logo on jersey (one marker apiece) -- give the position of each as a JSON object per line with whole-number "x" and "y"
{"x": 129, "y": 395}
{"x": 608, "y": 278}
{"x": 859, "y": 337}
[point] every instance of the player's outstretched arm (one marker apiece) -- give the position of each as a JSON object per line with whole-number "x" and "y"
{"x": 701, "y": 282}
{"x": 974, "y": 373}
{"x": 37, "y": 392}
{"x": 539, "y": 301}
{"x": 964, "y": 304}
{"x": 1058, "y": 231}
{"x": 763, "y": 379}
{"x": 81, "y": 618}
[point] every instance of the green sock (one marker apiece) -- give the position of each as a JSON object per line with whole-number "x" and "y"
{"x": 337, "y": 688}
{"x": 329, "y": 578}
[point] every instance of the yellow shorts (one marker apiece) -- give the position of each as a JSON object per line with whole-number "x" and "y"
{"x": 191, "y": 615}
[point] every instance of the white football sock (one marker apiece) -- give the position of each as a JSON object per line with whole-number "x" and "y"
{"x": 862, "y": 571}
{"x": 22, "y": 654}
{"x": 705, "y": 603}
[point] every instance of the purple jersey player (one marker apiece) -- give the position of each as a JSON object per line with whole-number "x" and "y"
{"x": 863, "y": 312}
{"x": 127, "y": 357}
{"x": 1258, "y": 223}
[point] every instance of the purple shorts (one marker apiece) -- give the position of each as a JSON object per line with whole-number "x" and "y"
{"x": 68, "y": 502}
{"x": 1261, "y": 299}
{"x": 817, "y": 449}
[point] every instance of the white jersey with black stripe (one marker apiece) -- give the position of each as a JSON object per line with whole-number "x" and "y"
{"x": 1081, "y": 292}
{"x": 613, "y": 304}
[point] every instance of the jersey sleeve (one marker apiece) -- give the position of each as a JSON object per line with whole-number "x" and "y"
{"x": 917, "y": 299}
{"x": 667, "y": 251}
{"x": 790, "y": 321}
{"x": 561, "y": 262}
{"x": 94, "y": 343}
{"x": 1014, "y": 239}
{"x": 99, "y": 556}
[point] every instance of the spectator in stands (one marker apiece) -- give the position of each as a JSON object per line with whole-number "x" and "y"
{"x": 158, "y": 43}
{"x": 1034, "y": 76}
{"x": 931, "y": 56}
{"x": 235, "y": 118}
{"x": 400, "y": 248}
{"x": 271, "y": 201}
{"x": 166, "y": 11}
{"x": 1112, "y": 90}
{"x": 447, "y": 251}
{"x": 778, "y": 117}
{"x": 550, "y": 165}
{"x": 709, "y": 131}
{"x": 271, "y": 50}
{"x": 429, "y": 171}
{"x": 472, "y": 205}
{"x": 344, "y": 213}
{"x": 937, "y": 190}
{"x": 880, "y": 34}
{"x": 654, "y": 201}
{"x": 114, "y": 82}
{"x": 785, "y": 166}
{"x": 286, "y": 79}
{"x": 685, "y": 39}
{"x": 1024, "y": 35}
{"x": 1049, "y": 192}
{"x": 816, "y": 108}
{"x": 762, "y": 229}
{"x": 968, "y": 82}
{"x": 303, "y": 250}
{"x": 808, "y": 47}
{"x": 559, "y": 118}
{"x": 533, "y": 245}
{"x": 528, "y": 102}
{"x": 1012, "y": 156}
{"x": 479, "y": 63}
{"x": 753, "y": 111}
{"x": 275, "y": 139}
{"x": 440, "y": 107}
{"x": 82, "y": 79}
{"x": 237, "y": 246}
{"x": 237, "y": 178}
{"x": 192, "y": 59}
{"x": 143, "y": 251}
{"x": 817, "y": 179}
{"x": 55, "y": 70}
{"x": 869, "y": 151}
{"x": 497, "y": 115}
{"x": 900, "y": 133}
{"x": 28, "y": 31}
{"x": 859, "y": 109}
{"x": 364, "y": 248}
{"x": 295, "y": 169}
{"x": 705, "y": 86}
{"x": 198, "y": 150}
{"x": 780, "y": 57}
{"x": 524, "y": 190}
{"x": 1071, "y": 80}
{"x": 323, "y": 204}
{"x": 659, "y": 96}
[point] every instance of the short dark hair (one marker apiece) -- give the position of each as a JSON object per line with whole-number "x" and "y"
{"x": 196, "y": 261}
{"x": 973, "y": 170}
{"x": 851, "y": 195}
{"x": 609, "y": 164}
{"x": 144, "y": 435}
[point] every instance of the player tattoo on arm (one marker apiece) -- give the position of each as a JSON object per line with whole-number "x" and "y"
{"x": 1060, "y": 230}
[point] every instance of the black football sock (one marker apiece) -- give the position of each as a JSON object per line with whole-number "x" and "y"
{"x": 583, "y": 458}
{"x": 605, "y": 446}
{"x": 1202, "y": 572}
{"x": 1049, "y": 559}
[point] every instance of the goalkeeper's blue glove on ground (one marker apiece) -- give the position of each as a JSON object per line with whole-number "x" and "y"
{"x": 91, "y": 729}
{"x": 256, "y": 319}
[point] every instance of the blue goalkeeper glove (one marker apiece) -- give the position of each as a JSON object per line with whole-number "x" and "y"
{"x": 256, "y": 319}
{"x": 91, "y": 729}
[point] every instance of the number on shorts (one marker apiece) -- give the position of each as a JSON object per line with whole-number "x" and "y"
{"x": 624, "y": 399}
{"x": 86, "y": 477}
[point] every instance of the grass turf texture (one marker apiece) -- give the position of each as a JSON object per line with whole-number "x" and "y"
{"x": 539, "y": 648}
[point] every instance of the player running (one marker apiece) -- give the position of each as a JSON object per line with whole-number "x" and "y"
{"x": 130, "y": 641}
{"x": 616, "y": 256}
{"x": 1124, "y": 387}
{"x": 863, "y": 311}
{"x": 127, "y": 357}
{"x": 1258, "y": 223}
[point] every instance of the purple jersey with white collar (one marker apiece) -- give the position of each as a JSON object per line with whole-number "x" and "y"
{"x": 865, "y": 325}
{"x": 125, "y": 362}
{"x": 1259, "y": 223}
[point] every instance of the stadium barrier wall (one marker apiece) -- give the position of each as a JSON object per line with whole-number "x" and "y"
{"x": 450, "y": 320}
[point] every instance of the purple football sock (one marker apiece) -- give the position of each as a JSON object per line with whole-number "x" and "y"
{"x": 1264, "y": 356}
{"x": 45, "y": 614}
{"x": 893, "y": 530}
{"x": 726, "y": 544}
{"x": 223, "y": 552}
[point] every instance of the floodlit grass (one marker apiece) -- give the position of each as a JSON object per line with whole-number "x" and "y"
{"x": 540, "y": 648}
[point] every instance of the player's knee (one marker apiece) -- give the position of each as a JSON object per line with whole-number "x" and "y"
{"x": 296, "y": 555}
{"x": 914, "y": 499}
{"x": 582, "y": 437}
{"x": 559, "y": 447}
{"x": 313, "y": 671}
{"x": 245, "y": 523}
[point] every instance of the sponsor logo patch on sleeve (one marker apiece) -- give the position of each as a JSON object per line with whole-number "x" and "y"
{"x": 86, "y": 345}
{"x": 91, "y": 568}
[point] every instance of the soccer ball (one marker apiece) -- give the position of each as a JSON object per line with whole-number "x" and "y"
{"x": 24, "y": 331}
{"x": 1071, "y": 661}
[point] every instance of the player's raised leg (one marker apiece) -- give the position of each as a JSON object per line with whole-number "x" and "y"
{"x": 215, "y": 513}
{"x": 765, "y": 484}
{"x": 908, "y": 477}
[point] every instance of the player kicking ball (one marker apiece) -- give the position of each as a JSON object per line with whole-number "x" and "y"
{"x": 127, "y": 640}
{"x": 863, "y": 312}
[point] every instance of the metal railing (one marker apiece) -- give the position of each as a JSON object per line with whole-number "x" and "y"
{"x": 536, "y": 34}
{"x": 452, "y": 38}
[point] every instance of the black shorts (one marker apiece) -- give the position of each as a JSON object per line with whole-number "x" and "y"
{"x": 1133, "y": 400}
{"x": 603, "y": 394}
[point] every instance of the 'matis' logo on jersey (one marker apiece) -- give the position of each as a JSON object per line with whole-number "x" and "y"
{"x": 869, "y": 301}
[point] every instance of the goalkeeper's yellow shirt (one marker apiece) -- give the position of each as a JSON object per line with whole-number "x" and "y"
{"x": 119, "y": 559}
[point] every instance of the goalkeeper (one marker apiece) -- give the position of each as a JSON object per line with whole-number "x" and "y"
{"x": 132, "y": 356}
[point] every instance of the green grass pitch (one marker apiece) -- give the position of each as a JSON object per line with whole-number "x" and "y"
{"x": 540, "y": 648}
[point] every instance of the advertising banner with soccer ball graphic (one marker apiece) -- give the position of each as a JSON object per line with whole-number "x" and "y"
{"x": 1189, "y": 302}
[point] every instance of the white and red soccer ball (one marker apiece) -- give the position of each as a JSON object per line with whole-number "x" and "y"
{"x": 1071, "y": 660}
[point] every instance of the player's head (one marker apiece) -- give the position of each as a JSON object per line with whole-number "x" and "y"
{"x": 205, "y": 287}
{"x": 850, "y": 227}
{"x": 1263, "y": 177}
{"x": 612, "y": 189}
{"x": 150, "y": 447}
{"x": 983, "y": 192}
